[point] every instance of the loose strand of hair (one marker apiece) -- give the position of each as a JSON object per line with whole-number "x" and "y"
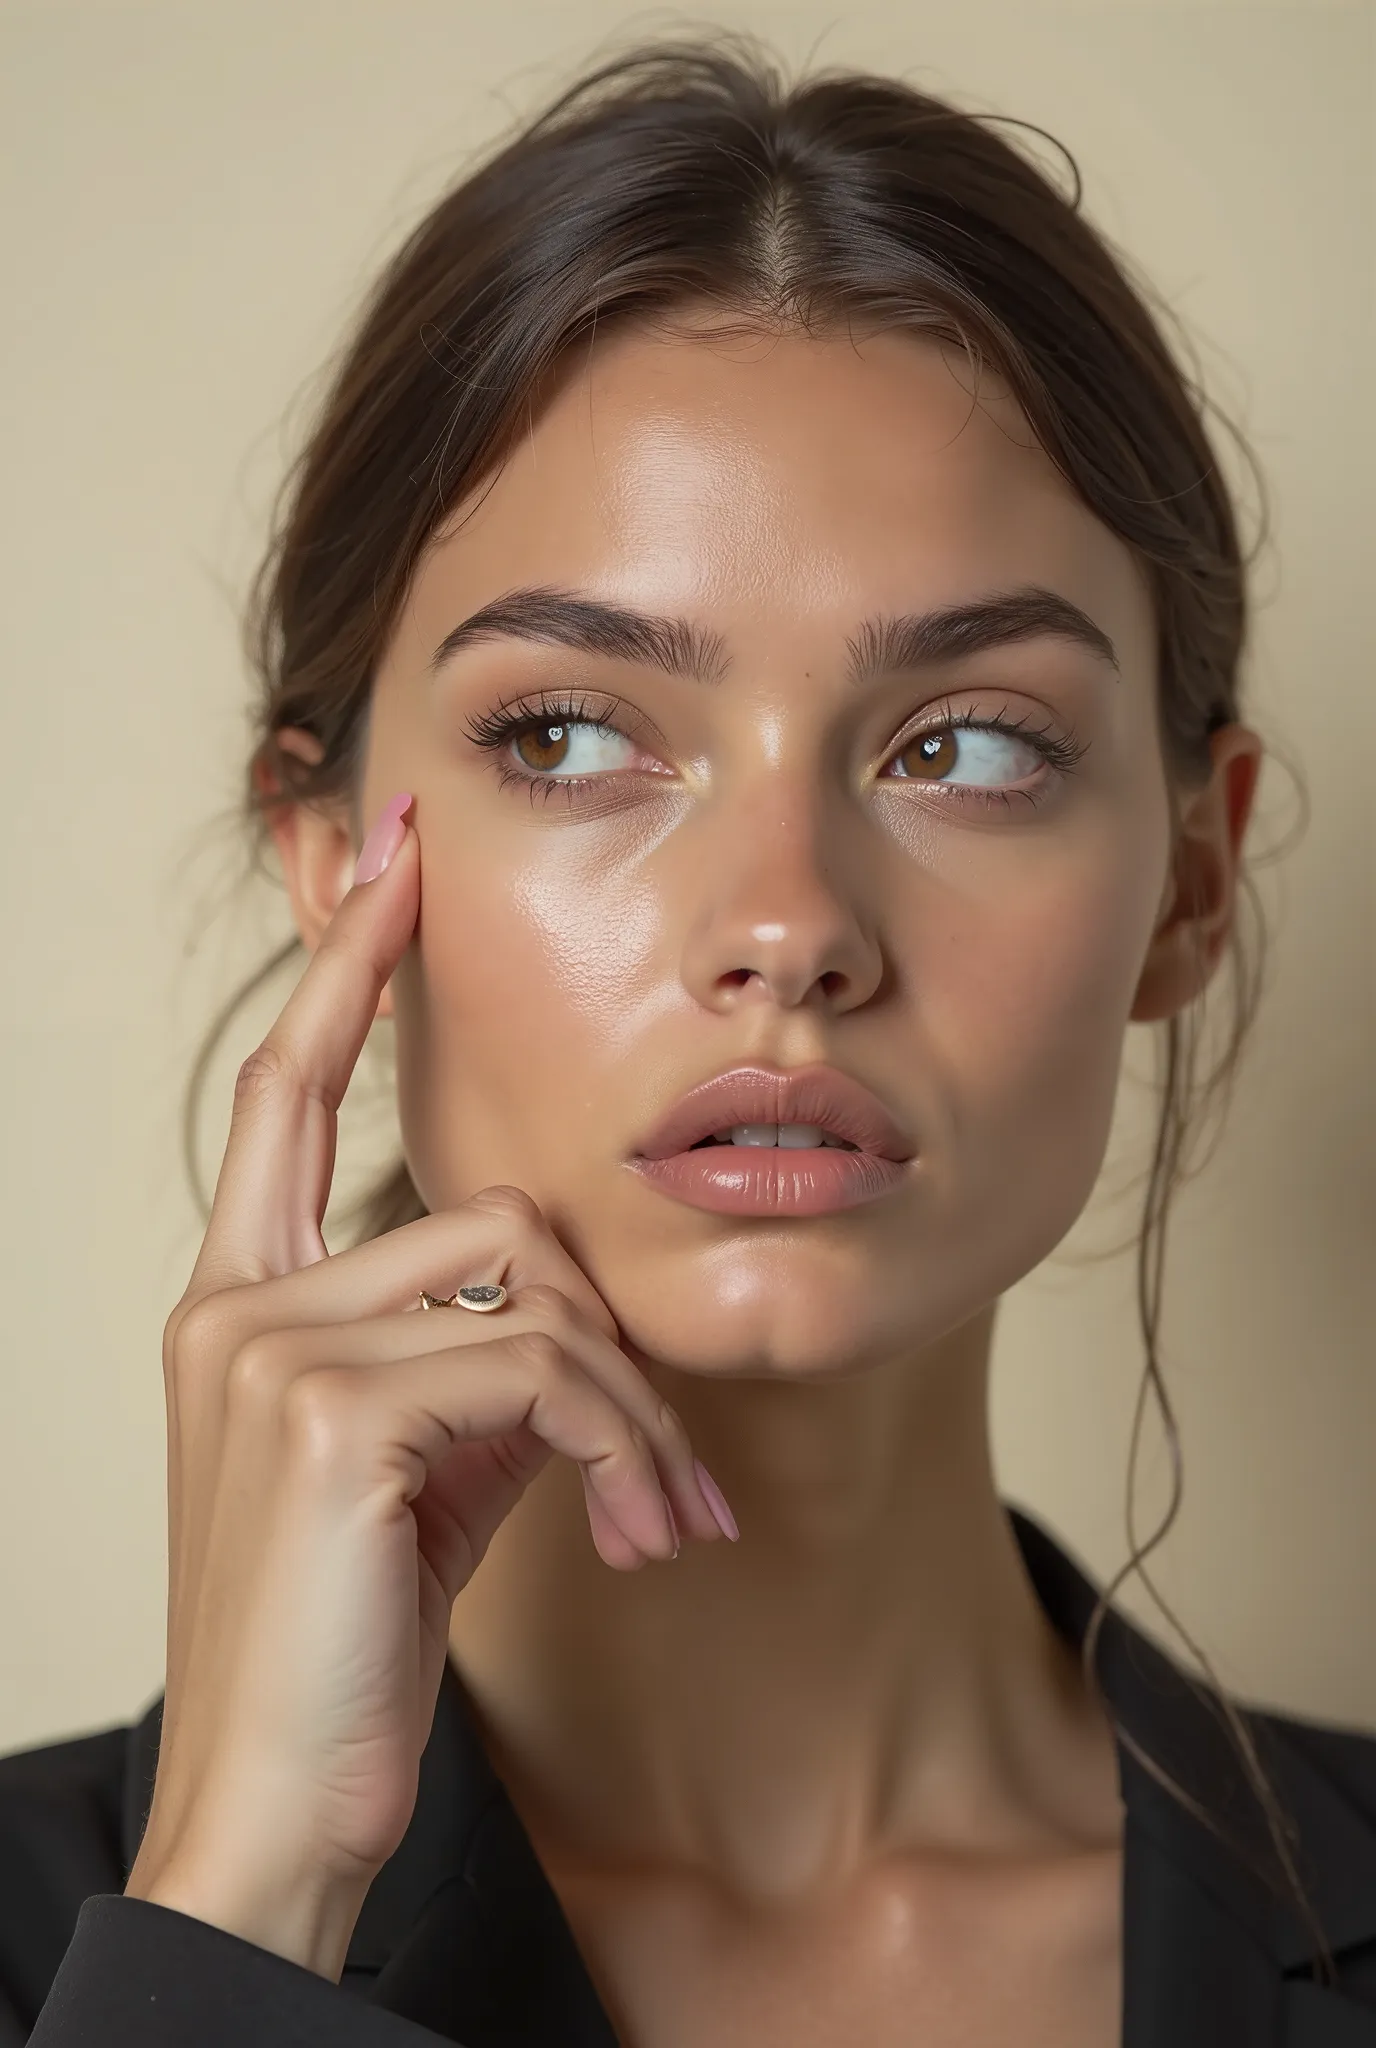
{"x": 1181, "y": 1038}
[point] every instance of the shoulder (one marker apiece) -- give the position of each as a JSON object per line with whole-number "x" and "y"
{"x": 62, "y": 1829}
{"x": 1343, "y": 1756}
{"x": 65, "y": 1797}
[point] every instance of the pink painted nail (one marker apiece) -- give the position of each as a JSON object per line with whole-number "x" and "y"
{"x": 383, "y": 841}
{"x": 716, "y": 1500}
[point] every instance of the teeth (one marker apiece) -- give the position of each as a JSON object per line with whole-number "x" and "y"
{"x": 790, "y": 1137}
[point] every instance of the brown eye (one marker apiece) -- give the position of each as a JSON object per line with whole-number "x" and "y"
{"x": 928, "y": 757}
{"x": 542, "y": 746}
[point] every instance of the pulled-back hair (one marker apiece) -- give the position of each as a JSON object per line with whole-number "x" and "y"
{"x": 688, "y": 176}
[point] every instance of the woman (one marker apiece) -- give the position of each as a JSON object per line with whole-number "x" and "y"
{"x": 761, "y": 598}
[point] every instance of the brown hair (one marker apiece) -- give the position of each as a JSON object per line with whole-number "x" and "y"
{"x": 690, "y": 174}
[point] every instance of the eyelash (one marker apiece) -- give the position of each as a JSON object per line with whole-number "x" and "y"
{"x": 493, "y": 729}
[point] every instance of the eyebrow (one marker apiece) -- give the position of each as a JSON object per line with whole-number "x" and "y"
{"x": 884, "y": 645}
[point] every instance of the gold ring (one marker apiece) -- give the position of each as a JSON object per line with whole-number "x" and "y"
{"x": 482, "y": 1300}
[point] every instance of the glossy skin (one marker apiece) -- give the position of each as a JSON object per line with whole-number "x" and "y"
{"x": 581, "y": 964}
{"x": 858, "y": 1781}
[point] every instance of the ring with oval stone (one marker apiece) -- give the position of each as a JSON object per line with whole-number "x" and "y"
{"x": 482, "y": 1300}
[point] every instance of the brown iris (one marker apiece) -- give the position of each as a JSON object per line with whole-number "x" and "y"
{"x": 930, "y": 755}
{"x": 542, "y": 746}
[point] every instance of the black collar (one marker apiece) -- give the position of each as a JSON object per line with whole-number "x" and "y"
{"x": 462, "y": 1932}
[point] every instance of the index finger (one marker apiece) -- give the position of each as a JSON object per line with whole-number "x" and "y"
{"x": 274, "y": 1180}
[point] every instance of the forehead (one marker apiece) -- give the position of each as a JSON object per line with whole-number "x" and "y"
{"x": 779, "y": 482}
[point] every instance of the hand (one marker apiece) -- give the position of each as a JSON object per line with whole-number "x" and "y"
{"x": 338, "y": 1463}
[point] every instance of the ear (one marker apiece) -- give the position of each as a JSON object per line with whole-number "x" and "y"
{"x": 315, "y": 846}
{"x": 1200, "y": 896}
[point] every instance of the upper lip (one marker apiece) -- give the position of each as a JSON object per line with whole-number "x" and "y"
{"x": 836, "y": 1102}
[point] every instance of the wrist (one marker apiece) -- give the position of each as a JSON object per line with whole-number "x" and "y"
{"x": 302, "y": 1915}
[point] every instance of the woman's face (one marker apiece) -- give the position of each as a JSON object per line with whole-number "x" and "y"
{"x": 789, "y": 859}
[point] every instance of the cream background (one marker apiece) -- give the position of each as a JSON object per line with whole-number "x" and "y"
{"x": 194, "y": 197}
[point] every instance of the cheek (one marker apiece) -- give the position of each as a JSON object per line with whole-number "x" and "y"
{"x": 1026, "y": 1009}
{"x": 530, "y": 977}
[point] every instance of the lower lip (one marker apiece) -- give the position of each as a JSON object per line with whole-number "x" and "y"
{"x": 771, "y": 1180}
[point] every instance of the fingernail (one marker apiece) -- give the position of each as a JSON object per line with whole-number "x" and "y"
{"x": 384, "y": 839}
{"x": 673, "y": 1523}
{"x": 716, "y": 1500}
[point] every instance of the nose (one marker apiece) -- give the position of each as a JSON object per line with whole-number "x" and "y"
{"x": 781, "y": 916}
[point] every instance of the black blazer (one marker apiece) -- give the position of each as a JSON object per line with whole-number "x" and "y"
{"x": 462, "y": 1939}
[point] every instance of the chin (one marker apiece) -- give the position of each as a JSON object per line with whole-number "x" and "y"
{"x": 738, "y": 1324}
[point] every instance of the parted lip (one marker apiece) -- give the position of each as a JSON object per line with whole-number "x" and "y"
{"x": 839, "y": 1104}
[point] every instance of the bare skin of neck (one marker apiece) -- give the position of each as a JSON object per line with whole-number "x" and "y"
{"x": 862, "y": 1701}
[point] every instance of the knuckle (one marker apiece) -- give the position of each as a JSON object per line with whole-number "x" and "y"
{"x": 173, "y": 1340}
{"x": 511, "y": 1203}
{"x": 197, "y": 1334}
{"x": 316, "y": 1410}
{"x": 638, "y": 1443}
{"x": 670, "y": 1424}
{"x": 260, "y": 1371}
{"x": 543, "y": 1351}
{"x": 543, "y": 1300}
{"x": 262, "y": 1073}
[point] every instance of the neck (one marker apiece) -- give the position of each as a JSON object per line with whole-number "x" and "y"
{"x": 867, "y": 1672}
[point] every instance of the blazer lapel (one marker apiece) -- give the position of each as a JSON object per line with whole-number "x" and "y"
{"x": 462, "y": 1931}
{"x": 492, "y": 1962}
{"x": 1214, "y": 1954}
{"x": 1193, "y": 1975}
